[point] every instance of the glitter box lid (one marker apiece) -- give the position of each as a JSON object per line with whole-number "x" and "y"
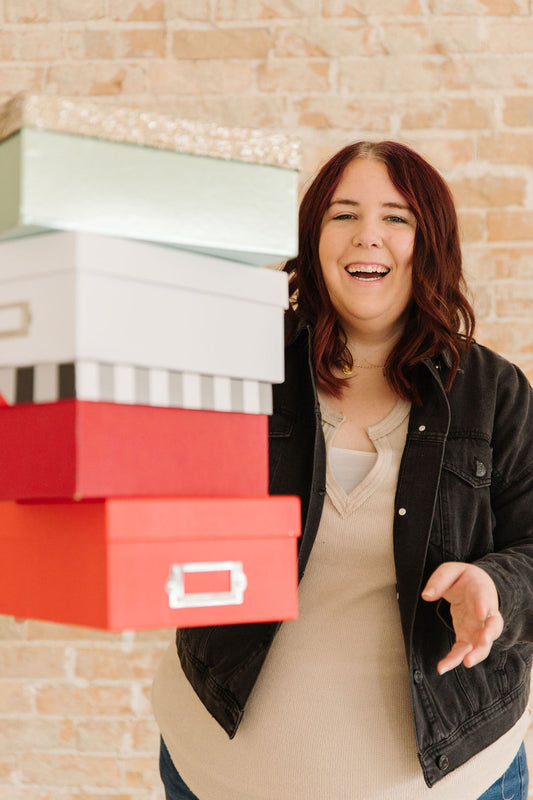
{"x": 148, "y": 128}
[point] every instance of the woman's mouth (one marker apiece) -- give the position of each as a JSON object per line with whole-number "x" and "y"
{"x": 367, "y": 272}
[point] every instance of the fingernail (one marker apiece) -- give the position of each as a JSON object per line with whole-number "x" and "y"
{"x": 428, "y": 592}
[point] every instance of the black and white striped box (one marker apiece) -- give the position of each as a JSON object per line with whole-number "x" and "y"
{"x": 122, "y": 383}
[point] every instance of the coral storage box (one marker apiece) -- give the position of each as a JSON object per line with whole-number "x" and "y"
{"x": 150, "y": 563}
{"x": 81, "y": 449}
{"x": 78, "y": 165}
{"x": 85, "y": 297}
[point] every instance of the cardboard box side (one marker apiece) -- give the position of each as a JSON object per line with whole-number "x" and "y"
{"x": 187, "y": 518}
{"x": 247, "y": 211}
{"x": 54, "y": 569}
{"x": 11, "y": 172}
{"x": 139, "y": 574}
{"x": 38, "y": 450}
{"x": 133, "y": 260}
{"x": 82, "y": 449}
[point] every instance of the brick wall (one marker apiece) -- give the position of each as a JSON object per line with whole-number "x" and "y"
{"x": 453, "y": 78}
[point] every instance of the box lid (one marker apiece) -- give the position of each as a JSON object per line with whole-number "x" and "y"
{"x": 127, "y": 259}
{"x": 149, "y": 128}
{"x": 150, "y": 519}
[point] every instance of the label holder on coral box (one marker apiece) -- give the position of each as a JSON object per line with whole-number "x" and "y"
{"x": 179, "y": 598}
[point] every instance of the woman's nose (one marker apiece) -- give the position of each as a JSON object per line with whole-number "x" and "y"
{"x": 367, "y": 235}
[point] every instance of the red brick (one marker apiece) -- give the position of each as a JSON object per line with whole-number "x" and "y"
{"x": 37, "y": 734}
{"x": 199, "y": 77}
{"x": 53, "y": 631}
{"x": 518, "y": 110}
{"x": 26, "y": 10}
{"x": 472, "y": 225}
{"x": 97, "y": 78}
{"x": 482, "y": 298}
{"x": 514, "y": 336}
{"x": 505, "y": 262}
{"x": 221, "y": 43}
{"x": 510, "y": 37}
{"x": 363, "y": 76}
{"x": 510, "y": 226}
{"x": 8, "y": 44}
{"x": 110, "y": 664}
{"x": 294, "y": 75}
{"x": 444, "y": 153}
{"x": 15, "y": 697}
{"x": 141, "y": 43}
{"x": 102, "y": 735}
{"x": 515, "y": 300}
{"x": 489, "y": 191}
{"x": 20, "y": 79}
{"x": 137, "y": 10}
{"x": 330, "y": 39}
{"x": 453, "y": 113}
{"x": 65, "y": 699}
{"x": 93, "y": 44}
{"x": 193, "y": 10}
{"x": 63, "y": 10}
{"x": 432, "y": 36}
{"x": 506, "y": 148}
{"x": 27, "y": 661}
{"x": 11, "y": 628}
{"x": 265, "y": 9}
{"x": 140, "y": 772}
{"x": 70, "y": 770}
{"x": 362, "y": 8}
{"x": 330, "y": 112}
{"x": 505, "y": 8}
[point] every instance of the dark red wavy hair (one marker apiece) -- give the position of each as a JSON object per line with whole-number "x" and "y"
{"x": 440, "y": 318}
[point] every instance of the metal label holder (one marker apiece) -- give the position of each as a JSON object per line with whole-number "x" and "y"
{"x": 175, "y": 587}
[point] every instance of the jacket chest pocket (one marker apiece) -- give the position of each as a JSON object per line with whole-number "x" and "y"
{"x": 465, "y": 513}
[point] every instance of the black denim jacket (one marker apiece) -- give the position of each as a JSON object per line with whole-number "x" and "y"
{"x": 465, "y": 493}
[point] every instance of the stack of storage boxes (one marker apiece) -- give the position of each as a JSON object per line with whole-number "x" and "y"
{"x": 139, "y": 339}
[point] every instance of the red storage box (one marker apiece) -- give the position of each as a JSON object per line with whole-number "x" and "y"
{"x": 78, "y": 449}
{"x": 150, "y": 563}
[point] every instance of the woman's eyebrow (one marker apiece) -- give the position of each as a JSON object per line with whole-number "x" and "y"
{"x": 343, "y": 202}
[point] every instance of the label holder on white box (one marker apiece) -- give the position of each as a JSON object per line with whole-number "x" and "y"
{"x": 15, "y": 319}
{"x": 175, "y": 587}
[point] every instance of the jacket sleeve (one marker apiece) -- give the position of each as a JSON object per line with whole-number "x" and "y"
{"x": 511, "y": 563}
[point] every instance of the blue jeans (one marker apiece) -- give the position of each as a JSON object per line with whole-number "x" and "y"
{"x": 513, "y": 784}
{"x": 175, "y": 789}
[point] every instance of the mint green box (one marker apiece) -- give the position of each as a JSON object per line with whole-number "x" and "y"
{"x": 62, "y": 181}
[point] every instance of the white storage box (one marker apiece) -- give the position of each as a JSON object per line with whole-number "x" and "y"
{"x": 79, "y": 297}
{"x": 76, "y": 165}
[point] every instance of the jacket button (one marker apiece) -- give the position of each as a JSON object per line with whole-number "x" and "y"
{"x": 421, "y": 427}
{"x": 481, "y": 469}
{"x": 402, "y": 512}
{"x": 443, "y": 762}
{"x": 417, "y": 676}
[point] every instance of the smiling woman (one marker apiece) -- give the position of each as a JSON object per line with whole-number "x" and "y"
{"x": 406, "y": 674}
{"x": 421, "y": 222}
{"x": 366, "y": 254}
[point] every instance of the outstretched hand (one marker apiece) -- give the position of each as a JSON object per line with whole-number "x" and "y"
{"x": 473, "y": 600}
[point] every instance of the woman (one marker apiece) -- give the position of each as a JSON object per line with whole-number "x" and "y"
{"x": 406, "y": 674}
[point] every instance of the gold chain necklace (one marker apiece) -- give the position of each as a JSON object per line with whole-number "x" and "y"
{"x": 347, "y": 369}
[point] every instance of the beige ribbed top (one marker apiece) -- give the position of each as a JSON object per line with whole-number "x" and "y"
{"x": 329, "y": 716}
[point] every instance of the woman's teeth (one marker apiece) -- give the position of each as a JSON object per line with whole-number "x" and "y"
{"x": 367, "y": 272}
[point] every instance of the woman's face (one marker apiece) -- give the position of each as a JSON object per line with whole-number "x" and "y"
{"x": 366, "y": 250}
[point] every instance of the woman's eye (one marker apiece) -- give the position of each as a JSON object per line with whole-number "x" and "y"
{"x": 396, "y": 219}
{"x": 344, "y": 216}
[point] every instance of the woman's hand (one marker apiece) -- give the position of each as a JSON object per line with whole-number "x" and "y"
{"x": 473, "y": 600}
